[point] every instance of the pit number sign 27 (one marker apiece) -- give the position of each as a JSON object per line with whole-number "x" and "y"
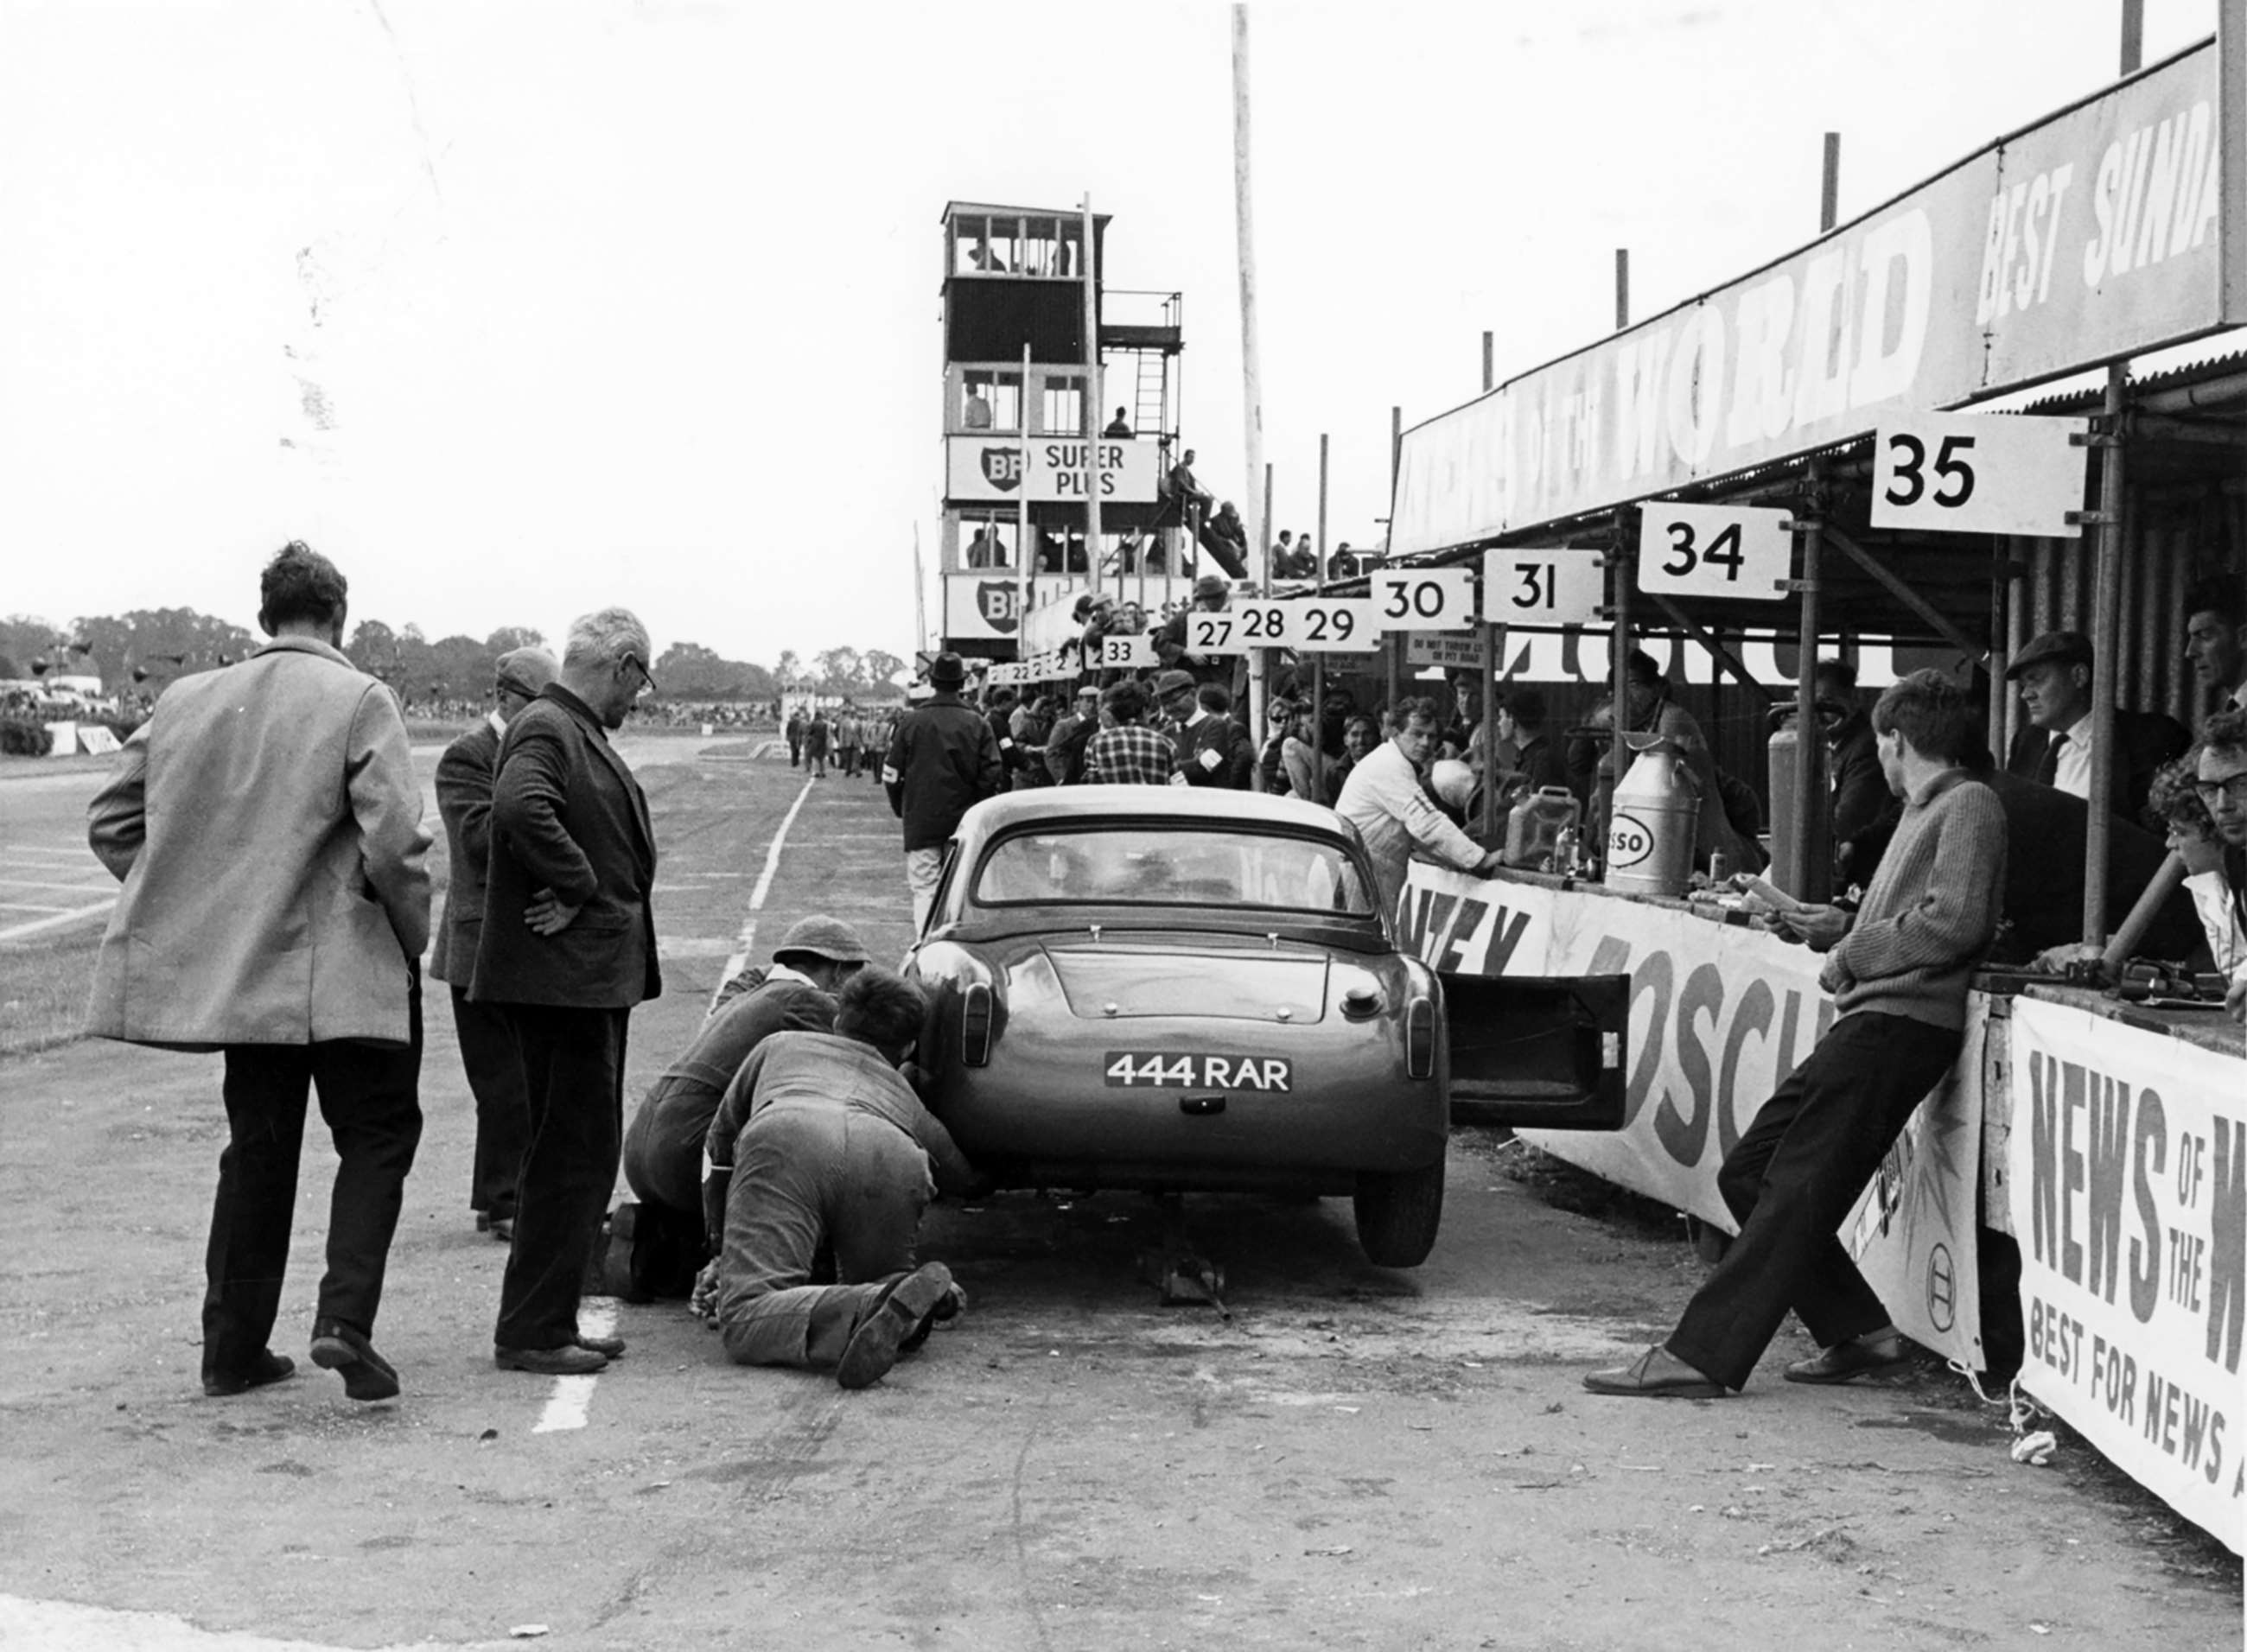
{"x": 1541, "y": 585}
{"x": 1714, "y": 550}
{"x": 1308, "y": 625}
{"x": 1978, "y": 474}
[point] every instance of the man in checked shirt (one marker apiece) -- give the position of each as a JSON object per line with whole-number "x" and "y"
{"x": 1127, "y": 751}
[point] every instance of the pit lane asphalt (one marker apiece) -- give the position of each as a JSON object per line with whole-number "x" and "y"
{"x": 1360, "y": 1458}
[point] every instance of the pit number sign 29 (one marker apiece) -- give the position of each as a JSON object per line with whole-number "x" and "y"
{"x": 1538, "y": 585}
{"x": 1713, "y": 550}
{"x": 1424, "y": 598}
{"x": 1978, "y": 474}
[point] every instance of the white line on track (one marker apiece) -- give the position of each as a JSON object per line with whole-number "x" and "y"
{"x": 739, "y": 959}
{"x": 33, "y": 928}
{"x": 81, "y": 884}
{"x": 572, "y": 1399}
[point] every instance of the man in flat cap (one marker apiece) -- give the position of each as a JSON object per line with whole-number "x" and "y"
{"x": 2053, "y": 746}
{"x": 668, "y": 1235}
{"x": 488, "y": 1052}
{"x": 943, "y": 760}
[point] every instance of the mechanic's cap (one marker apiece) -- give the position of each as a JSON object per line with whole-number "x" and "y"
{"x": 820, "y": 936}
{"x": 526, "y": 670}
{"x": 1172, "y": 682}
{"x": 1211, "y": 585}
{"x": 2068, "y": 647}
{"x": 947, "y": 670}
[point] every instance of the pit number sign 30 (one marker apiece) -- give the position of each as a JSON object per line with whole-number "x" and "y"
{"x": 1538, "y": 585}
{"x": 1713, "y": 550}
{"x": 1980, "y": 473}
{"x": 1424, "y": 598}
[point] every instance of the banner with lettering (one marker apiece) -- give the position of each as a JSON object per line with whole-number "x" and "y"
{"x": 2128, "y": 1162}
{"x": 1719, "y": 1016}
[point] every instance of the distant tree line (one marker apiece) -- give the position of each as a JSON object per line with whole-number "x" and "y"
{"x": 142, "y": 651}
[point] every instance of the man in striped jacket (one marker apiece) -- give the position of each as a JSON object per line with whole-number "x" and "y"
{"x": 1898, "y": 973}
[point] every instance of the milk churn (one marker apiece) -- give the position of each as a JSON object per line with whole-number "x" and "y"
{"x": 1657, "y": 805}
{"x": 1533, "y": 825}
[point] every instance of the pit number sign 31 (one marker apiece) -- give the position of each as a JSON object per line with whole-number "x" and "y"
{"x": 1540, "y": 586}
{"x": 1424, "y": 598}
{"x": 1713, "y": 550}
{"x": 1978, "y": 474}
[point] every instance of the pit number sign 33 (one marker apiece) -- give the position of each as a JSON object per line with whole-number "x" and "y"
{"x": 1424, "y": 598}
{"x": 1713, "y": 550}
{"x": 1980, "y": 473}
{"x": 1541, "y": 585}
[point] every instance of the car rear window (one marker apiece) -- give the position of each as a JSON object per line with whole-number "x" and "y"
{"x": 1172, "y": 866}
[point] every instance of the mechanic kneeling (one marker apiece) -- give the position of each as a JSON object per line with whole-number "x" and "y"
{"x": 820, "y": 1141}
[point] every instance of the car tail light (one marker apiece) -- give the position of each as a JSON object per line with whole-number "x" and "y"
{"x": 975, "y": 1026}
{"x": 1420, "y": 1039}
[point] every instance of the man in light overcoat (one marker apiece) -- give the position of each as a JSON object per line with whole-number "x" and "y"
{"x": 267, "y": 826}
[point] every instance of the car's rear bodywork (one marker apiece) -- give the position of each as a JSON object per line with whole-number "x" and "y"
{"x": 1144, "y": 988}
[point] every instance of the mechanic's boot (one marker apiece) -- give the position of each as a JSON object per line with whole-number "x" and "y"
{"x": 907, "y": 1304}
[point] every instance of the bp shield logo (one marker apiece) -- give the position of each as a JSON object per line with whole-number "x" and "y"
{"x": 995, "y": 600}
{"x": 1002, "y": 468}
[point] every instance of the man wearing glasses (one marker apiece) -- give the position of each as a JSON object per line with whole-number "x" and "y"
{"x": 2221, "y": 781}
{"x": 567, "y": 948}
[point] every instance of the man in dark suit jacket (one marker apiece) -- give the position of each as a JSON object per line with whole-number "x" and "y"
{"x": 2053, "y": 746}
{"x": 567, "y": 948}
{"x": 1212, "y": 749}
{"x": 488, "y": 1052}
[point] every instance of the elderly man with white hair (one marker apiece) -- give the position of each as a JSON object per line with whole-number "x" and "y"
{"x": 568, "y": 947}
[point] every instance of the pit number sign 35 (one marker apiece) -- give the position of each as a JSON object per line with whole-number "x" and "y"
{"x": 1539, "y": 586}
{"x": 1978, "y": 474}
{"x": 1424, "y": 598}
{"x": 1713, "y": 550}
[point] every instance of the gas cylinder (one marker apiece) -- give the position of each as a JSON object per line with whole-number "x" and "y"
{"x": 1786, "y": 866}
{"x": 1658, "y": 806}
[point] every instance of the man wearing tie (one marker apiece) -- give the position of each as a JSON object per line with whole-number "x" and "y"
{"x": 2053, "y": 746}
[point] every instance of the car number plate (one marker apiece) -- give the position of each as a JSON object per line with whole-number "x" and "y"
{"x": 1163, "y": 1070}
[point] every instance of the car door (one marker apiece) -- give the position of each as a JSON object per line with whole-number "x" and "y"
{"x": 1538, "y": 1051}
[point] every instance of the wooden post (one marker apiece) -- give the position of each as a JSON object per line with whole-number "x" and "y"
{"x": 1619, "y": 559}
{"x": 1392, "y": 644}
{"x": 1489, "y": 343}
{"x": 1489, "y": 631}
{"x": 1318, "y": 661}
{"x": 1622, "y": 288}
{"x": 1252, "y": 399}
{"x": 2106, "y": 591}
{"x": 1025, "y": 553}
{"x": 1093, "y": 393}
{"x": 1829, "y": 198}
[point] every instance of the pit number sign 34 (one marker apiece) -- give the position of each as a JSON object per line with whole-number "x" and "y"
{"x": 1714, "y": 550}
{"x": 1978, "y": 474}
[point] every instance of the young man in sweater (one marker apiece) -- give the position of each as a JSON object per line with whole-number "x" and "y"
{"x": 1898, "y": 973}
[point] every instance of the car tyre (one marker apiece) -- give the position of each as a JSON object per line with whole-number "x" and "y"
{"x": 1398, "y": 1212}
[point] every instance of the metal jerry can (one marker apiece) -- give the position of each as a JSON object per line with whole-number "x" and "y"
{"x": 1657, "y": 808}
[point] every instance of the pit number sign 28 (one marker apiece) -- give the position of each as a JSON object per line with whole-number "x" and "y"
{"x": 1713, "y": 550}
{"x": 1978, "y": 474}
{"x": 1424, "y": 598}
{"x": 1307, "y": 624}
{"x": 1540, "y": 586}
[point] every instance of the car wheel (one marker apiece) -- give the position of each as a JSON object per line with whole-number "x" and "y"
{"x": 1398, "y": 1213}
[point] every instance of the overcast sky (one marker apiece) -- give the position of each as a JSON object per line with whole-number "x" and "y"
{"x": 638, "y": 302}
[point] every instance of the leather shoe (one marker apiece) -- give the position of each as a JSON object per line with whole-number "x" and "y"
{"x": 608, "y": 1348}
{"x": 905, "y": 1305}
{"x": 366, "y": 1375}
{"x": 267, "y": 1367}
{"x": 502, "y": 1228}
{"x": 568, "y": 1360}
{"x": 1656, "y": 1374}
{"x": 1859, "y": 1356}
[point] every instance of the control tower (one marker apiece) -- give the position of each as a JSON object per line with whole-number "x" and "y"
{"x": 1033, "y": 410}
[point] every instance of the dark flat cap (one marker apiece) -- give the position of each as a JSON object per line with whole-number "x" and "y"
{"x": 1172, "y": 682}
{"x": 2065, "y": 647}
